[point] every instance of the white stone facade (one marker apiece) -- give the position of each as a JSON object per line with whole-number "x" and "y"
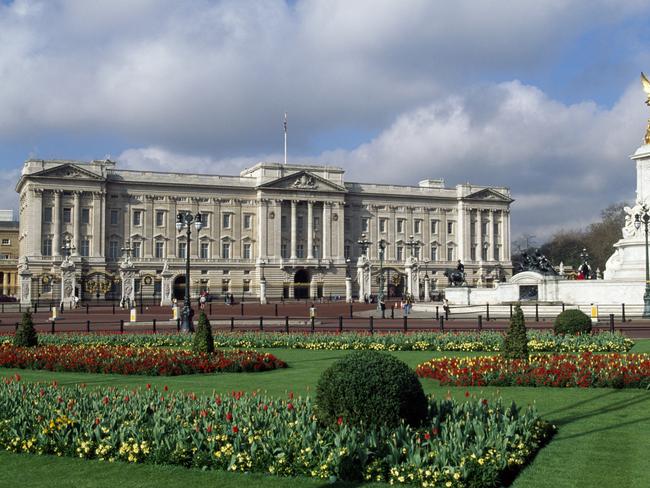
{"x": 296, "y": 225}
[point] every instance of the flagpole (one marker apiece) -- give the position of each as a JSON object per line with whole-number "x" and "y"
{"x": 285, "y": 138}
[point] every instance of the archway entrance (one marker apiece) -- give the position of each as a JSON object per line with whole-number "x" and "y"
{"x": 301, "y": 282}
{"x": 394, "y": 282}
{"x": 179, "y": 288}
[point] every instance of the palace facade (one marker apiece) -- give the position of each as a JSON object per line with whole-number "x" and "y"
{"x": 297, "y": 226}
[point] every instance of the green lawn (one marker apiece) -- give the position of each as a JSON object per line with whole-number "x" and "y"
{"x": 603, "y": 440}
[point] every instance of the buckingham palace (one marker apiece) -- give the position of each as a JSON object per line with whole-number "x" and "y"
{"x": 301, "y": 230}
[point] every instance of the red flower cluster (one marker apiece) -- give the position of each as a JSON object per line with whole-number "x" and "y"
{"x": 559, "y": 370}
{"x": 134, "y": 360}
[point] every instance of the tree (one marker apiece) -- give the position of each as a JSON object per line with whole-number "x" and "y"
{"x": 26, "y": 333}
{"x": 515, "y": 344}
{"x": 203, "y": 340}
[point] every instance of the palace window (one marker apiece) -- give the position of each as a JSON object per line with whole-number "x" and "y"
{"x": 434, "y": 226}
{"x": 365, "y": 222}
{"x": 85, "y": 216}
{"x": 495, "y": 228}
{"x": 226, "y": 220}
{"x": 67, "y": 215}
{"x": 496, "y": 253}
{"x": 484, "y": 228}
{"x": 47, "y": 247}
{"x": 47, "y": 215}
{"x": 113, "y": 250}
{"x": 417, "y": 226}
{"x": 247, "y": 251}
{"x": 382, "y": 225}
{"x": 115, "y": 217}
{"x": 450, "y": 253}
{"x": 137, "y": 217}
{"x": 225, "y": 250}
{"x": 300, "y": 251}
{"x": 400, "y": 225}
{"x": 399, "y": 253}
{"x": 283, "y": 250}
{"x": 346, "y": 252}
{"x": 450, "y": 227}
{"x": 182, "y": 250}
{"x": 247, "y": 286}
{"x": 316, "y": 251}
{"x": 160, "y": 218}
{"x": 160, "y": 249}
{"x": 204, "y": 252}
{"x": 316, "y": 222}
{"x": 472, "y": 252}
{"x": 225, "y": 286}
{"x": 434, "y": 253}
{"x": 85, "y": 247}
{"x": 6, "y": 242}
{"x": 137, "y": 247}
{"x": 248, "y": 221}
{"x": 484, "y": 253}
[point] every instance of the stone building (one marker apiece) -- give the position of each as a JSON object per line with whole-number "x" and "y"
{"x": 8, "y": 254}
{"x": 298, "y": 226}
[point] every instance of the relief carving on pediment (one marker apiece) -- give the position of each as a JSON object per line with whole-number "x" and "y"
{"x": 305, "y": 182}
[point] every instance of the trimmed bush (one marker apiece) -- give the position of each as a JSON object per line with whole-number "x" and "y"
{"x": 515, "y": 344}
{"x": 573, "y": 322}
{"x": 203, "y": 340}
{"x": 26, "y": 333}
{"x": 372, "y": 389}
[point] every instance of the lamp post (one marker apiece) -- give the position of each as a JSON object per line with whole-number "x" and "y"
{"x": 184, "y": 220}
{"x": 644, "y": 218}
{"x": 364, "y": 244}
{"x": 382, "y": 249}
{"x": 413, "y": 244}
{"x": 347, "y": 268}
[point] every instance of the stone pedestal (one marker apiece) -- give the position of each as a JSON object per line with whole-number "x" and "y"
{"x": 263, "y": 300}
{"x": 313, "y": 288}
{"x": 348, "y": 289}
{"x": 128, "y": 275}
{"x": 427, "y": 290}
{"x": 166, "y": 288}
{"x": 364, "y": 278}
{"x": 68, "y": 283}
{"x": 25, "y": 287}
{"x": 412, "y": 278}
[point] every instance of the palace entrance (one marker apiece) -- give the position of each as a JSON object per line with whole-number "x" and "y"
{"x": 179, "y": 288}
{"x": 301, "y": 282}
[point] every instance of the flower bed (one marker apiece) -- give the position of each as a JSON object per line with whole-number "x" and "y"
{"x": 133, "y": 360}
{"x": 559, "y": 370}
{"x": 474, "y": 443}
{"x": 394, "y": 341}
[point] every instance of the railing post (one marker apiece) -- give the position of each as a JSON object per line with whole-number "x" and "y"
{"x": 16, "y": 327}
{"x": 113, "y": 308}
{"x": 20, "y": 309}
{"x": 276, "y": 309}
{"x": 241, "y": 306}
{"x": 178, "y": 325}
{"x": 351, "y": 310}
{"x": 511, "y": 311}
{"x": 536, "y": 312}
{"x": 437, "y": 313}
{"x": 623, "y": 312}
{"x": 405, "y": 324}
{"x": 3, "y": 307}
{"x": 51, "y": 326}
{"x": 232, "y": 324}
{"x": 372, "y": 325}
{"x": 86, "y": 308}
{"x": 447, "y": 313}
{"x": 36, "y": 308}
{"x": 286, "y": 324}
{"x": 442, "y": 323}
{"x": 340, "y": 323}
{"x": 480, "y": 323}
{"x": 153, "y": 325}
{"x": 210, "y": 308}
{"x": 121, "y": 326}
{"x": 487, "y": 312}
{"x": 392, "y": 311}
{"x": 261, "y": 323}
{"x": 611, "y": 323}
{"x": 563, "y": 306}
{"x": 313, "y": 323}
{"x": 88, "y": 326}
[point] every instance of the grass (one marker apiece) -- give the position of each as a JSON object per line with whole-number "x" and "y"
{"x": 603, "y": 438}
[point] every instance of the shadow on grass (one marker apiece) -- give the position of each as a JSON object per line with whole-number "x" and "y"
{"x": 613, "y": 407}
{"x": 603, "y": 429}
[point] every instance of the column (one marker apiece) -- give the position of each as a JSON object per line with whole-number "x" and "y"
{"x": 37, "y": 216}
{"x": 97, "y": 217}
{"x": 391, "y": 253}
{"x": 340, "y": 238}
{"x": 193, "y": 245}
{"x": 327, "y": 229}
{"x": 277, "y": 229}
{"x": 148, "y": 227}
{"x": 171, "y": 227}
{"x": 56, "y": 220}
{"x": 310, "y": 230}
{"x": 77, "y": 223}
{"x": 5, "y": 283}
{"x": 505, "y": 232}
{"x": 294, "y": 205}
{"x": 480, "y": 238}
{"x": 236, "y": 250}
{"x": 490, "y": 235}
{"x": 262, "y": 223}
{"x": 460, "y": 231}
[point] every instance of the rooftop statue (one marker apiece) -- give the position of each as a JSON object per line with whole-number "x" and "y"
{"x": 646, "y": 88}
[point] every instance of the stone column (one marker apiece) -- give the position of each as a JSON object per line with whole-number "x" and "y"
{"x": 172, "y": 246}
{"x": 276, "y": 226}
{"x": 327, "y": 229}
{"x": 262, "y": 224}
{"x": 77, "y": 224}
{"x": 490, "y": 236}
{"x": 505, "y": 235}
{"x": 348, "y": 289}
{"x": 56, "y": 221}
{"x": 479, "y": 236}
{"x": 391, "y": 252}
{"x": 460, "y": 231}
{"x": 313, "y": 288}
{"x": 97, "y": 218}
{"x": 5, "y": 283}
{"x": 340, "y": 238}
{"x": 263, "y": 299}
{"x": 37, "y": 215}
{"x": 294, "y": 205}
{"x": 310, "y": 230}
{"x": 427, "y": 289}
{"x": 193, "y": 245}
{"x": 25, "y": 287}
{"x": 148, "y": 228}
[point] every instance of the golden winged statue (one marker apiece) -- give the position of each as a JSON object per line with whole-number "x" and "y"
{"x": 645, "y": 83}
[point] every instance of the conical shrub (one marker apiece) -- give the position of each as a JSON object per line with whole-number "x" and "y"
{"x": 26, "y": 333}
{"x": 515, "y": 344}
{"x": 203, "y": 340}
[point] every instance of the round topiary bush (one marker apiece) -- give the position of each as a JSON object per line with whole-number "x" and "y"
{"x": 572, "y": 322}
{"x": 370, "y": 388}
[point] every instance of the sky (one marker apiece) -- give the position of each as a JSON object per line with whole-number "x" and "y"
{"x": 540, "y": 96}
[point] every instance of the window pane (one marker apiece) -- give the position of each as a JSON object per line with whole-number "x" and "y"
{"x": 160, "y": 218}
{"x": 67, "y": 215}
{"x": 85, "y": 216}
{"x": 114, "y": 217}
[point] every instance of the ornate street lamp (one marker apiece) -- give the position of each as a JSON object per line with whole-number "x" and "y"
{"x": 413, "y": 244}
{"x": 67, "y": 249}
{"x": 364, "y": 244}
{"x": 184, "y": 220}
{"x": 644, "y": 218}
{"x": 347, "y": 268}
{"x": 382, "y": 250}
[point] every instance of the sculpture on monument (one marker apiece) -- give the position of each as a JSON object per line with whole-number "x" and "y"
{"x": 645, "y": 83}
{"x": 456, "y": 277}
{"x": 536, "y": 262}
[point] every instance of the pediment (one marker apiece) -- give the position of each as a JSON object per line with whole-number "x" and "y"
{"x": 490, "y": 195}
{"x": 67, "y": 171}
{"x": 302, "y": 181}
